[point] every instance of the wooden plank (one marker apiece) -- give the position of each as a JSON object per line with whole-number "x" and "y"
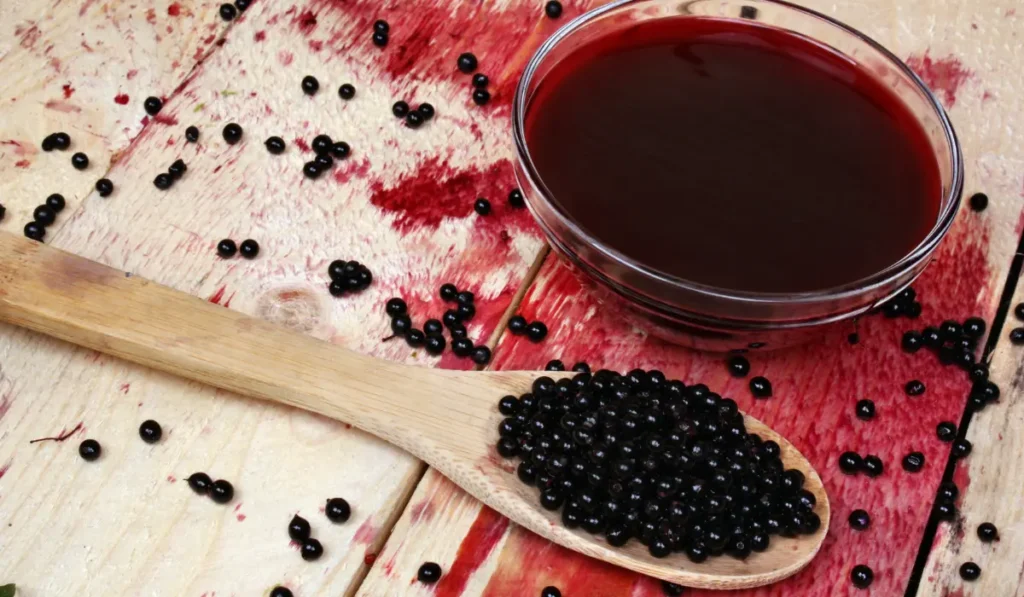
{"x": 967, "y": 54}
{"x": 85, "y": 68}
{"x": 989, "y": 481}
{"x": 402, "y": 204}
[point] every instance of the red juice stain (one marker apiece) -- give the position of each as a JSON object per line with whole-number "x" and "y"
{"x": 165, "y": 119}
{"x": 437, "y": 191}
{"x": 131, "y": 74}
{"x": 863, "y": 190}
{"x": 217, "y": 296}
{"x": 22, "y": 164}
{"x": 240, "y": 517}
{"x": 4, "y": 469}
{"x": 125, "y": 387}
{"x": 944, "y": 76}
{"x": 61, "y": 106}
{"x": 305, "y": 21}
{"x": 365, "y": 533}
{"x": 172, "y": 479}
{"x": 151, "y": 16}
{"x": 369, "y": 558}
{"x": 481, "y": 539}
{"x": 174, "y": 9}
{"x": 121, "y": 98}
{"x": 285, "y": 57}
{"x": 301, "y": 144}
{"x": 68, "y": 90}
{"x": 260, "y": 36}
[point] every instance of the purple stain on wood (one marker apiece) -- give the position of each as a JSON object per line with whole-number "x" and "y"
{"x": 944, "y": 76}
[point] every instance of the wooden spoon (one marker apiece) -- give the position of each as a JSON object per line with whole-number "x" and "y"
{"x": 447, "y": 418}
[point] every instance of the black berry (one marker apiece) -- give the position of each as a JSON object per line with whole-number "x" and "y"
{"x": 47, "y": 144}
{"x": 872, "y": 466}
{"x": 861, "y": 576}
{"x": 177, "y": 169}
{"x": 945, "y": 510}
{"x": 414, "y": 120}
{"x": 435, "y": 344}
{"x": 970, "y": 571}
{"x": 974, "y": 327}
{"x": 481, "y": 96}
{"x": 228, "y": 12}
{"x": 241, "y": 5}
{"x": 347, "y": 91}
{"x": 760, "y": 387}
{"x": 914, "y": 387}
{"x": 482, "y": 206}
{"x": 850, "y": 462}
{"x": 324, "y": 161}
{"x": 859, "y": 520}
{"x": 152, "y": 105}
{"x": 104, "y": 187}
{"x": 338, "y": 510}
{"x": 517, "y": 325}
{"x": 536, "y": 331}
{"x": 738, "y": 366}
{"x": 89, "y": 450}
{"x": 45, "y": 215}
{"x": 671, "y": 589}
{"x": 61, "y": 141}
{"x": 311, "y": 550}
{"x": 961, "y": 448}
{"x": 1017, "y": 336}
{"x": 150, "y": 431}
{"x": 56, "y": 202}
{"x": 394, "y": 307}
{"x": 448, "y": 292}
{"x": 481, "y": 355}
{"x": 232, "y": 133}
{"x": 310, "y": 85}
{"x": 311, "y": 170}
{"x": 35, "y": 231}
{"x": 865, "y": 410}
{"x": 462, "y": 347}
{"x": 80, "y": 161}
{"x": 249, "y": 248}
{"x": 433, "y": 326}
{"x": 913, "y": 462}
{"x": 415, "y": 338}
{"x": 515, "y": 198}
{"x": 321, "y": 144}
{"x": 987, "y": 532}
{"x": 979, "y": 201}
{"x": 426, "y": 111}
{"x": 946, "y": 431}
{"x": 381, "y": 26}
{"x": 380, "y": 39}
{"x": 298, "y": 529}
{"x": 466, "y": 63}
{"x": 429, "y": 573}
{"x": 465, "y": 311}
{"x": 200, "y": 483}
{"x": 275, "y": 145}
{"x": 221, "y": 491}
{"x": 912, "y": 341}
{"x": 948, "y": 492}
{"x": 1018, "y": 311}
{"x": 227, "y": 248}
{"x": 480, "y": 80}
{"x": 400, "y": 109}
{"x": 278, "y": 591}
{"x": 340, "y": 150}
{"x": 553, "y": 9}
{"x": 163, "y": 181}
{"x": 401, "y": 325}
{"x": 554, "y": 365}
{"x": 192, "y": 134}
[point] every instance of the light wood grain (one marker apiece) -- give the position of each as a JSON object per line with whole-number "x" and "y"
{"x": 447, "y": 419}
{"x": 990, "y": 482}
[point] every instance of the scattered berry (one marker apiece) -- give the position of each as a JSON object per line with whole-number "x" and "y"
{"x": 480, "y": 80}
{"x": 380, "y": 39}
{"x": 481, "y": 355}
{"x": 536, "y": 331}
{"x": 979, "y": 201}
{"x": 394, "y": 306}
{"x": 278, "y": 591}
{"x": 859, "y": 520}
{"x": 61, "y": 141}
{"x": 515, "y": 198}
{"x": 1017, "y": 336}
{"x": 275, "y": 145}
{"x": 381, "y": 26}
{"x": 400, "y": 109}
{"x": 760, "y": 387}
{"x": 987, "y": 532}
{"x": 946, "y": 431}
{"x": 45, "y": 215}
{"x": 913, "y": 462}
{"x": 298, "y": 529}
{"x": 35, "y": 231}
{"x": 738, "y": 366}
{"x": 200, "y": 483}
{"x": 177, "y": 169}
{"x": 310, "y": 85}
{"x": 553, "y": 9}
{"x": 347, "y": 91}
{"x": 104, "y": 187}
{"x": 192, "y": 134}
{"x": 850, "y": 462}
{"x": 429, "y": 573}
{"x": 426, "y": 111}
{"x": 550, "y": 592}
{"x": 865, "y": 410}
{"x": 80, "y": 161}
{"x": 311, "y": 550}
{"x": 228, "y": 12}
{"x": 152, "y": 105}
{"x": 340, "y": 150}
{"x": 872, "y": 466}
{"x": 232, "y": 133}
{"x": 221, "y": 491}
{"x": 414, "y": 120}
{"x": 466, "y": 63}
{"x": 481, "y": 96}
{"x": 163, "y": 181}
{"x": 311, "y": 170}
{"x": 970, "y": 571}
{"x": 861, "y": 576}
{"x": 150, "y": 431}
{"x": 482, "y": 206}
{"x": 961, "y": 448}
{"x": 227, "y": 248}
{"x": 914, "y": 387}
{"x": 89, "y": 450}
{"x": 338, "y": 510}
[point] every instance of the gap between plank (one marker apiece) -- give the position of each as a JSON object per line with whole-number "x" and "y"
{"x": 995, "y": 332}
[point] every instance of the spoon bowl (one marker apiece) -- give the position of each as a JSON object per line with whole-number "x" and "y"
{"x": 449, "y": 419}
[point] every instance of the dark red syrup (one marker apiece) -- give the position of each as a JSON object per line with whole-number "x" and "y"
{"x": 734, "y": 155}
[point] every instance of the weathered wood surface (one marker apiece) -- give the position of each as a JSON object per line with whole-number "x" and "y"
{"x": 402, "y": 205}
{"x": 968, "y": 54}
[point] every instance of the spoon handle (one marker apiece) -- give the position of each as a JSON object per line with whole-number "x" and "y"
{"x": 92, "y": 305}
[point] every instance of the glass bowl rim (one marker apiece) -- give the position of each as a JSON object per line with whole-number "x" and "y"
{"x": 866, "y": 284}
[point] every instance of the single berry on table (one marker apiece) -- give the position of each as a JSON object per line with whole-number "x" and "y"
{"x": 433, "y": 326}
{"x": 394, "y": 307}
{"x": 414, "y": 120}
{"x": 760, "y": 387}
{"x": 970, "y": 571}
{"x": 279, "y": 591}
{"x": 946, "y": 431}
{"x": 192, "y": 134}
{"x": 466, "y": 62}
{"x": 232, "y": 133}
{"x": 104, "y": 187}
{"x": 163, "y": 181}
{"x": 311, "y": 170}
{"x": 429, "y": 573}
{"x": 974, "y": 327}
{"x": 435, "y": 344}
{"x": 61, "y": 141}
{"x": 347, "y": 91}
{"x": 462, "y": 347}
{"x": 550, "y": 592}
{"x": 481, "y": 355}
{"x": 861, "y": 576}
{"x": 153, "y": 105}
{"x": 321, "y": 144}
{"x": 987, "y": 532}
{"x": 400, "y": 109}
{"x": 310, "y": 85}
{"x": 426, "y": 111}
{"x": 536, "y": 331}
{"x": 311, "y": 550}
{"x": 340, "y": 150}
{"x": 480, "y": 80}
{"x": 979, "y": 201}
{"x": 859, "y": 520}
{"x": 380, "y": 39}
{"x": 961, "y": 448}
{"x": 738, "y": 366}
{"x": 1018, "y": 311}
{"x": 945, "y": 511}
{"x": 45, "y": 215}
{"x": 80, "y": 161}
{"x": 913, "y": 462}
{"x": 275, "y": 145}
{"x": 515, "y": 198}
{"x": 150, "y": 431}
{"x": 338, "y": 510}
{"x": 222, "y": 491}
{"x": 227, "y": 248}
{"x": 324, "y": 161}
{"x": 671, "y": 589}
{"x": 200, "y": 483}
{"x": 401, "y": 324}
{"x": 554, "y": 365}
{"x": 415, "y": 338}
{"x": 228, "y": 12}
{"x": 914, "y": 387}
{"x": 553, "y": 9}
{"x": 517, "y": 325}
{"x": 872, "y": 465}
{"x": 448, "y": 292}
{"x": 912, "y": 341}
{"x": 381, "y": 26}
{"x": 241, "y": 5}
{"x": 1017, "y": 336}
{"x": 465, "y": 311}
{"x": 482, "y": 206}
{"x": 89, "y": 450}
{"x": 177, "y": 169}
{"x": 850, "y": 462}
{"x": 56, "y": 202}
{"x": 298, "y": 528}
{"x": 865, "y": 409}
{"x": 481, "y": 96}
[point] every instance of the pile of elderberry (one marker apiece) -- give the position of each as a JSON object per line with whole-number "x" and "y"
{"x": 640, "y": 456}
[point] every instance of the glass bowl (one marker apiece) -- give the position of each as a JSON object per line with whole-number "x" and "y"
{"x": 701, "y": 316}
